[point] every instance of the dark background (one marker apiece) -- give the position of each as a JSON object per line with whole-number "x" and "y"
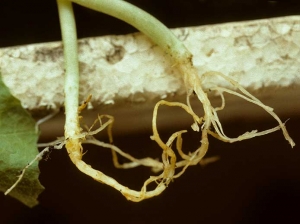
{"x": 34, "y": 21}
{"x": 256, "y": 181}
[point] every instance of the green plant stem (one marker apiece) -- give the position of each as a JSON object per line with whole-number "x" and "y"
{"x": 69, "y": 38}
{"x": 141, "y": 20}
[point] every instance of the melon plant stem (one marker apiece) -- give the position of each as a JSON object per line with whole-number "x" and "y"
{"x": 71, "y": 86}
{"x": 141, "y": 20}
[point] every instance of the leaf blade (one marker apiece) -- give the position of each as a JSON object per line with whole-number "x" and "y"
{"x": 18, "y": 146}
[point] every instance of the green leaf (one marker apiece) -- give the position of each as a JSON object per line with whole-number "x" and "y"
{"x": 18, "y": 147}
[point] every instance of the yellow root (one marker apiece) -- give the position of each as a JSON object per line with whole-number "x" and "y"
{"x": 208, "y": 124}
{"x": 250, "y": 98}
{"x": 170, "y": 166}
{"x": 169, "y": 163}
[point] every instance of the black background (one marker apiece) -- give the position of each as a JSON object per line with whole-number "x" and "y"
{"x": 24, "y": 22}
{"x": 256, "y": 181}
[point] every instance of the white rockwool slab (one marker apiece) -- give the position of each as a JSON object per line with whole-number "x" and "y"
{"x": 257, "y": 54}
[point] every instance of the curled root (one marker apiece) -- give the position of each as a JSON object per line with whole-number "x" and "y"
{"x": 170, "y": 166}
